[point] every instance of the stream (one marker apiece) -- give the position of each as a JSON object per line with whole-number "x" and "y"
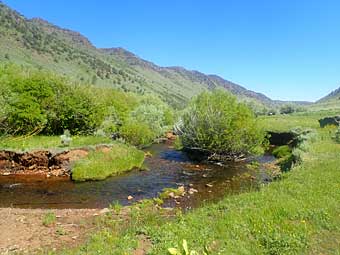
{"x": 167, "y": 168}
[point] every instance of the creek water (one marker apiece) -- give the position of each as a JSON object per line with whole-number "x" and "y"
{"x": 167, "y": 168}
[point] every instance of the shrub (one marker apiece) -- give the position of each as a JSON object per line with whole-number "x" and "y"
{"x": 74, "y": 108}
{"x": 150, "y": 119}
{"x": 40, "y": 100}
{"x": 138, "y": 134}
{"x": 287, "y": 109}
{"x": 282, "y": 151}
{"x": 216, "y": 123}
{"x": 151, "y": 116}
{"x": 24, "y": 98}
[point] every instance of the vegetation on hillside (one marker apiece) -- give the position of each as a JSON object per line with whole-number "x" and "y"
{"x": 40, "y": 44}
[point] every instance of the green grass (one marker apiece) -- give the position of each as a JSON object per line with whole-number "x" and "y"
{"x": 282, "y": 151}
{"x": 300, "y": 214}
{"x": 49, "y": 219}
{"x": 304, "y": 120}
{"x": 281, "y": 123}
{"x": 99, "y": 165}
{"x": 329, "y": 105}
{"x": 49, "y": 142}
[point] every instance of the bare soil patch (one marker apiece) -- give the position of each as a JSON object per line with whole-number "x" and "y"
{"x": 23, "y": 231}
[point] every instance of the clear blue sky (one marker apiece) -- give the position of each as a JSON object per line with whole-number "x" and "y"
{"x": 287, "y": 49}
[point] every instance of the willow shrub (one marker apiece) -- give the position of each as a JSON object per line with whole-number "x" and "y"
{"x": 147, "y": 122}
{"x": 137, "y": 133}
{"x": 215, "y": 122}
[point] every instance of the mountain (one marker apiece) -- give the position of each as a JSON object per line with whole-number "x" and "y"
{"x": 187, "y": 76}
{"x": 333, "y": 96}
{"x": 40, "y": 44}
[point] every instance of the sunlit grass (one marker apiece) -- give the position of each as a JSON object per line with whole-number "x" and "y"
{"x": 49, "y": 142}
{"x": 304, "y": 120}
{"x": 100, "y": 164}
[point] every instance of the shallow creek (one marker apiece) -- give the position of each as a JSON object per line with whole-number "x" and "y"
{"x": 167, "y": 168}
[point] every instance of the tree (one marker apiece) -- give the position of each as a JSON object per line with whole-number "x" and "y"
{"x": 216, "y": 124}
{"x": 287, "y": 109}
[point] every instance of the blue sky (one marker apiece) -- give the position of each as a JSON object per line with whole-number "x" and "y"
{"x": 288, "y": 50}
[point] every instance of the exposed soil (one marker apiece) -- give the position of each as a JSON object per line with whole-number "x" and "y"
{"x": 144, "y": 245}
{"x": 42, "y": 163}
{"x": 23, "y": 231}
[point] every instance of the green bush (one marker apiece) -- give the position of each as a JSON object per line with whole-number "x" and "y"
{"x": 287, "y": 109}
{"x": 152, "y": 116}
{"x": 74, "y": 108}
{"x": 138, "y": 134}
{"x": 216, "y": 123}
{"x": 150, "y": 119}
{"x": 36, "y": 100}
{"x": 282, "y": 151}
{"x": 286, "y": 156}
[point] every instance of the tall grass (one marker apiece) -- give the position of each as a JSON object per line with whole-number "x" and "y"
{"x": 101, "y": 164}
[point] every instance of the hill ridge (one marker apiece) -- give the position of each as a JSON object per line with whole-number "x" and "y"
{"x": 38, "y": 43}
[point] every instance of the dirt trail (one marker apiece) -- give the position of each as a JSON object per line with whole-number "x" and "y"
{"x": 23, "y": 231}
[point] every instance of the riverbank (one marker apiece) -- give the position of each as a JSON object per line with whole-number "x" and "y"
{"x": 297, "y": 215}
{"x": 85, "y": 158}
{"x": 167, "y": 168}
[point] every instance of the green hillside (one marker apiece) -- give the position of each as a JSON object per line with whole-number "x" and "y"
{"x": 329, "y": 102}
{"x": 39, "y": 44}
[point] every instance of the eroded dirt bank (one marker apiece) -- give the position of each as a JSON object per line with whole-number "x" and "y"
{"x": 42, "y": 163}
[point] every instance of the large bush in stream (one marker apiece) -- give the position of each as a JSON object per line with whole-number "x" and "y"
{"x": 217, "y": 124}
